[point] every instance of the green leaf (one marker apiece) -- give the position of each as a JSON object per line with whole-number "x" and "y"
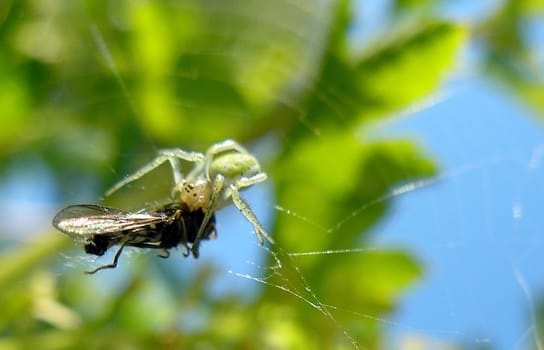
{"x": 401, "y": 71}
{"x": 409, "y": 66}
{"x": 332, "y": 182}
{"x": 510, "y": 59}
{"x": 16, "y": 105}
{"x": 378, "y": 279}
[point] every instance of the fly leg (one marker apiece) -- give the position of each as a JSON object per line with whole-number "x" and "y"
{"x": 113, "y": 264}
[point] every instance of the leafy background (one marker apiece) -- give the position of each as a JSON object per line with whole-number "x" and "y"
{"x": 89, "y": 90}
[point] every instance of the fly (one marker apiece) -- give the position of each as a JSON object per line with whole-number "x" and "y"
{"x": 100, "y": 228}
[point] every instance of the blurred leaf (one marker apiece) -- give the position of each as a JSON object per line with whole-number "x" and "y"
{"x": 527, "y": 84}
{"x": 22, "y": 260}
{"x": 16, "y": 104}
{"x": 332, "y": 193}
{"x": 333, "y": 176}
{"x": 509, "y": 57}
{"x": 383, "y": 81}
{"x": 411, "y": 66}
{"x": 379, "y": 278}
{"x": 412, "y": 3}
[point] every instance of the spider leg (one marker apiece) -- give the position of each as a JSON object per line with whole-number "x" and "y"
{"x": 227, "y": 145}
{"x": 244, "y": 208}
{"x": 113, "y": 264}
{"x": 217, "y": 187}
{"x": 248, "y": 181}
{"x": 171, "y": 155}
{"x": 184, "y": 237}
{"x": 178, "y": 153}
{"x": 241, "y": 183}
{"x": 138, "y": 174}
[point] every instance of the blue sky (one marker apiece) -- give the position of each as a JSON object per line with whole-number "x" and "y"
{"x": 477, "y": 230}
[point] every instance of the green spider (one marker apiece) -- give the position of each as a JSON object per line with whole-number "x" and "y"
{"x": 214, "y": 182}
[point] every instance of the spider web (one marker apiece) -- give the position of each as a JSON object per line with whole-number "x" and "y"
{"x": 476, "y": 227}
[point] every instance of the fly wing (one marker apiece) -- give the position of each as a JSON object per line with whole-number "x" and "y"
{"x": 88, "y": 219}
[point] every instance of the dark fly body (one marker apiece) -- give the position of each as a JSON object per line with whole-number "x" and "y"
{"x": 100, "y": 228}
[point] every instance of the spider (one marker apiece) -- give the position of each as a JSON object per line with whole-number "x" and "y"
{"x": 213, "y": 183}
